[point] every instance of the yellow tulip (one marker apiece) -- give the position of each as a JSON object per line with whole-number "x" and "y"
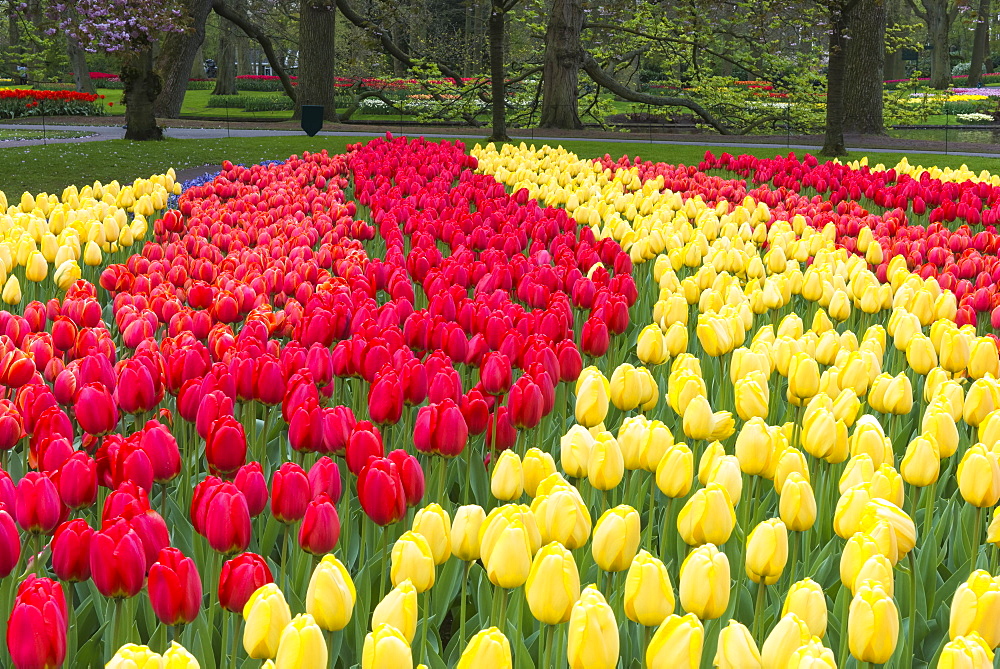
{"x": 979, "y": 477}
{"x": 791, "y": 461}
{"x": 825, "y": 437}
{"x": 37, "y": 268}
{"x": 500, "y": 519}
{"x": 574, "y": 449}
{"x": 675, "y": 472}
{"x": 887, "y": 484}
{"x": 767, "y": 551}
{"x": 649, "y": 596}
{"x": 869, "y": 437}
{"x": 921, "y": 464}
{"x": 432, "y": 522}
{"x": 592, "y": 398}
{"x": 979, "y": 401}
{"x": 537, "y": 465}
{"x": 753, "y": 447}
{"x": 797, "y": 503}
{"x": 984, "y": 359}
{"x": 942, "y": 427}
{"x": 616, "y": 538}
{"x": 562, "y": 516}
{"x": 707, "y": 517}
{"x": 788, "y": 635}
{"x": 553, "y": 585}
{"x": 465, "y": 532}
{"x": 976, "y": 608}
{"x": 966, "y": 652}
{"x": 752, "y": 396}
{"x": 11, "y": 291}
{"x": 954, "y": 351}
{"x": 807, "y": 600}
{"x": 301, "y": 645}
{"x": 704, "y": 582}
{"x": 487, "y": 648}
{"x": 331, "y": 595}
{"x": 626, "y": 389}
{"x": 872, "y": 624}
{"x": 398, "y": 610}
{"x": 701, "y": 423}
{"x": 902, "y": 525}
{"x": 92, "y": 254}
{"x": 659, "y": 440}
{"x": 412, "y": 560}
{"x": 814, "y": 655}
{"x": 878, "y": 569}
{"x": 178, "y": 657}
{"x": 803, "y": 378}
{"x": 385, "y": 646}
{"x": 266, "y": 614}
{"x": 633, "y": 440}
{"x": 507, "y": 557}
{"x": 651, "y": 348}
{"x": 707, "y": 461}
{"x": 677, "y": 643}
{"x": 593, "y": 633}
{"x": 920, "y": 354}
{"x": 736, "y": 648}
{"x": 606, "y": 465}
{"x": 507, "y": 481}
{"x": 134, "y": 656}
{"x": 66, "y": 274}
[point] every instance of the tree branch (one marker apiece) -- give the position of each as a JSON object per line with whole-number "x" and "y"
{"x": 922, "y": 15}
{"x": 254, "y": 32}
{"x": 602, "y": 78}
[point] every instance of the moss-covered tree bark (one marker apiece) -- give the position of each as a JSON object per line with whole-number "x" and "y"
{"x": 142, "y": 84}
{"x": 317, "y": 36}
{"x": 175, "y": 58}
{"x": 865, "y": 69}
{"x": 563, "y": 56}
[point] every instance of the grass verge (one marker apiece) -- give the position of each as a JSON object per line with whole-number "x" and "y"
{"x": 51, "y": 168}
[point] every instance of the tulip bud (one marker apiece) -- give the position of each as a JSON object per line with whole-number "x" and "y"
{"x": 979, "y": 477}
{"x": 704, "y": 582}
{"x": 117, "y": 560}
{"x": 767, "y": 551}
{"x": 969, "y": 651}
{"x": 797, "y": 503}
{"x": 433, "y": 523}
{"x": 593, "y": 633}
{"x": 507, "y": 551}
{"x": 320, "y": 528}
{"x": 736, "y": 648}
{"x": 385, "y": 646}
{"x": 331, "y": 595}
{"x": 240, "y": 578}
{"x": 807, "y": 600}
{"x": 399, "y": 610}
{"x": 788, "y": 635}
{"x": 487, "y": 648}
{"x": 678, "y": 642}
{"x": 707, "y": 517}
{"x": 133, "y": 655}
{"x": 616, "y": 538}
{"x": 36, "y": 629}
{"x": 553, "y": 585}
{"x": 562, "y": 516}
{"x": 465, "y": 532}
{"x": 536, "y": 465}
{"x": 412, "y": 561}
{"x": 507, "y": 481}
{"x": 976, "y": 609}
{"x": 592, "y": 398}
{"x": 649, "y": 596}
{"x": 266, "y": 614}
{"x": 675, "y": 471}
{"x": 872, "y": 624}
{"x": 174, "y": 588}
{"x": 301, "y": 644}
{"x": 605, "y": 466}
{"x": 921, "y": 464}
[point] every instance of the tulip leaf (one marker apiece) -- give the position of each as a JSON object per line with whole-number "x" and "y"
{"x": 446, "y": 588}
{"x": 89, "y": 654}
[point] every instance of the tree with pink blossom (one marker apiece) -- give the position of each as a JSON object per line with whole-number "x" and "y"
{"x": 127, "y": 29}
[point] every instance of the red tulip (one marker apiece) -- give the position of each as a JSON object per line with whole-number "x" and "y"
{"x": 476, "y": 411}
{"x": 503, "y": 435}
{"x": 152, "y": 531}
{"x": 324, "y": 478}
{"x": 441, "y": 429}
{"x": 320, "y": 526}
{"x": 174, "y": 588}
{"x": 240, "y": 577}
{"x": 131, "y": 463}
{"x": 39, "y": 508}
{"x": 128, "y": 498}
{"x": 338, "y": 424}
{"x": 77, "y": 481}
{"x": 223, "y": 516}
{"x": 136, "y": 390}
{"x": 268, "y": 381}
{"x": 8, "y": 493}
{"x": 161, "y": 447}
{"x": 214, "y": 405}
{"x": 11, "y": 429}
{"x": 525, "y": 404}
{"x": 226, "y": 445}
{"x": 95, "y": 409}
{"x": 570, "y": 362}
{"x": 413, "y": 378}
{"x": 251, "y": 482}
{"x": 410, "y": 473}
{"x": 380, "y": 491}
{"x": 289, "y": 493}
{"x": 595, "y": 337}
{"x": 495, "y": 374}
{"x": 10, "y": 543}
{"x": 71, "y": 550}
{"x": 305, "y": 431}
{"x": 365, "y": 442}
{"x": 385, "y": 398}
{"x": 36, "y": 631}
{"x": 117, "y": 560}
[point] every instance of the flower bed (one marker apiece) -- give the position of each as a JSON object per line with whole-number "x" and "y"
{"x": 513, "y": 408}
{"x": 17, "y": 102}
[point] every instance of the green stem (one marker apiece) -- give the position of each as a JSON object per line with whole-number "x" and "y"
{"x": 425, "y": 624}
{"x": 912, "y": 635}
{"x": 758, "y": 614}
{"x": 468, "y": 474}
{"x": 974, "y": 544}
{"x": 462, "y": 606}
{"x": 381, "y": 563}
{"x": 650, "y": 511}
{"x": 234, "y": 653}
{"x": 118, "y": 636}
{"x": 227, "y": 635}
{"x": 284, "y": 558}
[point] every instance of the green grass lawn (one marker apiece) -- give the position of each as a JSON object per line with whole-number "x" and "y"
{"x": 16, "y": 135}
{"x": 51, "y": 168}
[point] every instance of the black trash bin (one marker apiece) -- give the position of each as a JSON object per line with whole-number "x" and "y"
{"x": 312, "y": 119}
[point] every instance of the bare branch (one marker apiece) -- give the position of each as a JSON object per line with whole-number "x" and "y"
{"x": 253, "y": 31}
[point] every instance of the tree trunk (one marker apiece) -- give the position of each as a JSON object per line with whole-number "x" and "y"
{"x": 225, "y": 78}
{"x": 78, "y": 64}
{"x": 938, "y": 26}
{"x": 142, "y": 84}
{"x": 497, "y": 84}
{"x": 198, "y": 66}
{"x": 177, "y": 53}
{"x": 980, "y": 44}
{"x": 317, "y": 33}
{"x": 865, "y": 69}
{"x": 561, "y": 76}
{"x": 895, "y": 68}
{"x": 14, "y": 38}
{"x": 252, "y": 30}
{"x": 833, "y": 142}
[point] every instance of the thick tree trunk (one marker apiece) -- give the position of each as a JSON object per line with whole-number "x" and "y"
{"x": 563, "y": 56}
{"x": 895, "y": 68}
{"x": 865, "y": 69}
{"x": 980, "y": 44}
{"x": 14, "y": 39}
{"x": 78, "y": 64}
{"x": 498, "y": 86}
{"x": 317, "y": 34}
{"x": 833, "y": 143}
{"x": 938, "y": 26}
{"x": 142, "y": 84}
{"x": 198, "y": 66}
{"x": 177, "y": 53}
{"x": 225, "y": 78}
